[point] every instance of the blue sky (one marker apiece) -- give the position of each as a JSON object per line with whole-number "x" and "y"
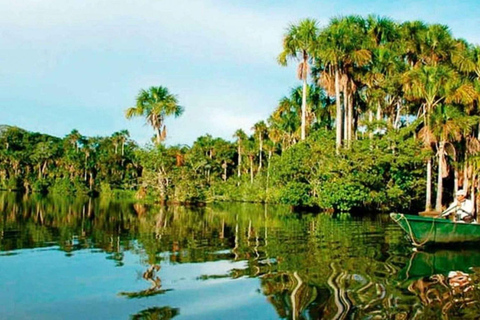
{"x": 68, "y": 64}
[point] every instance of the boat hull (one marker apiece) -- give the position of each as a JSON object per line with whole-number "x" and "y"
{"x": 429, "y": 230}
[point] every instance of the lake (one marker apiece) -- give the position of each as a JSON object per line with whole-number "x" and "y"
{"x": 110, "y": 259}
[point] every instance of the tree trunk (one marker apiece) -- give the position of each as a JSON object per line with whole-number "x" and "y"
{"x": 473, "y": 197}
{"x": 350, "y": 119}
{"x": 85, "y": 176}
{"x": 268, "y": 169}
{"x": 455, "y": 181}
{"x": 465, "y": 175}
{"x": 91, "y": 181}
{"x": 396, "y": 124}
{"x": 304, "y": 105}
{"x": 239, "y": 150}
{"x": 441, "y": 151}
{"x": 225, "y": 165}
{"x": 339, "y": 115}
{"x": 428, "y": 201}
{"x": 251, "y": 170}
{"x": 260, "y": 155}
{"x": 162, "y": 187}
{"x": 345, "y": 114}
{"x": 370, "y": 119}
{"x": 379, "y": 112}
{"x": 44, "y": 168}
{"x": 158, "y": 135}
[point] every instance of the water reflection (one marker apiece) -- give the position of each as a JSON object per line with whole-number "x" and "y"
{"x": 151, "y": 276}
{"x": 445, "y": 280}
{"x": 441, "y": 261}
{"x": 233, "y": 260}
{"x": 163, "y": 313}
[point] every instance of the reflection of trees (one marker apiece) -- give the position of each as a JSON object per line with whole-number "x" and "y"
{"x": 163, "y": 313}
{"x": 72, "y": 224}
{"x": 292, "y": 298}
{"x": 151, "y": 276}
{"x": 455, "y": 294}
{"x": 308, "y": 266}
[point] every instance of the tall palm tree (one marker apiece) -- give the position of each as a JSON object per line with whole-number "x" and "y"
{"x": 241, "y": 138}
{"x": 284, "y": 122}
{"x": 467, "y": 58}
{"x": 75, "y": 139}
{"x": 317, "y": 105}
{"x": 342, "y": 48}
{"x": 260, "y": 131}
{"x": 412, "y": 34}
{"x": 379, "y": 78}
{"x": 300, "y": 42}
{"x": 447, "y": 123}
{"x": 155, "y": 104}
{"x": 432, "y": 86}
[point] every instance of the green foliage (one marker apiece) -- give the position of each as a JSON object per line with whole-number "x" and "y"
{"x": 241, "y": 190}
{"x": 40, "y": 186}
{"x": 188, "y": 190}
{"x": 342, "y": 195}
{"x": 105, "y": 189}
{"x": 381, "y": 174}
{"x": 12, "y": 184}
{"x": 65, "y": 186}
{"x": 73, "y": 165}
{"x": 296, "y": 193}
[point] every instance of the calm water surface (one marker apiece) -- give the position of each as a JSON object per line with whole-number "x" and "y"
{"x": 105, "y": 259}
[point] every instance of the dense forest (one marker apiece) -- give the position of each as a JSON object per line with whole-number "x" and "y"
{"x": 386, "y": 113}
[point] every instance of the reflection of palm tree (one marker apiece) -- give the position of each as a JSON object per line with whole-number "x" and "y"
{"x": 163, "y": 313}
{"x": 235, "y": 248}
{"x": 151, "y": 276}
{"x": 292, "y": 297}
{"x": 341, "y": 300}
{"x": 456, "y": 290}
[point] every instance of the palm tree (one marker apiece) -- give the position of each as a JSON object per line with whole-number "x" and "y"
{"x": 270, "y": 148}
{"x": 260, "y": 131}
{"x": 284, "y": 123}
{"x": 250, "y": 151}
{"x": 412, "y": 34}
{"x": 75, "y": 138}
{"x": 342, "y": 49}
{"x": 467, "y": 58}
{"x": 124, "y": 135}
{"x": 447, "y": 123}
{"x": 433, "y": 86}
{"x": 241, "y": 138}
{"x": 380, "y": 78}
{"x": 155, "y": 104}
{"x": 300, "y": 42}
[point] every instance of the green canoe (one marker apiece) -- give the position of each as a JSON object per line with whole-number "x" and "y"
{"x": 428, "y": 230}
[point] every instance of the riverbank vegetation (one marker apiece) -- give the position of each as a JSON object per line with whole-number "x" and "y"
{"x": 386, "y": 113}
